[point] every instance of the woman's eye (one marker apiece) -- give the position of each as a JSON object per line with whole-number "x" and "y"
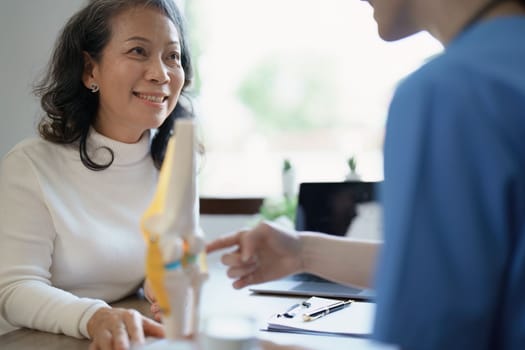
{"x": 174, "y": 57}
{"x": 138, "y": 51}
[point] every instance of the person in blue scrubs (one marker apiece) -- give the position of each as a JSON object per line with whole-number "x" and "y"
{"x": 451, "y": 271}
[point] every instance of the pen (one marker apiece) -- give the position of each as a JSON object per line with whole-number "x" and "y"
{"x": 287, "y": 313}
{"x": 290, "y": 314}
{"x": 315, "y": 314}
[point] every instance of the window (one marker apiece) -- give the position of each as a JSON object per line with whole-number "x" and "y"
{"x": 304, "y": 80}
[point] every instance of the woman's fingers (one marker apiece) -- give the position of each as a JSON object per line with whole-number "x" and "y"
{"x": 117, "y": 329}
{"x": 133, "y": 322}
{"x": 155, "y": 310}
{"x": 120, "y": 337}
{"x": 103, "y": 341}
{"x": 152, "y": 328}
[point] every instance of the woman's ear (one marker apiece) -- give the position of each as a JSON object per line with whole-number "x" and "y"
{"x": 87, "y": 76}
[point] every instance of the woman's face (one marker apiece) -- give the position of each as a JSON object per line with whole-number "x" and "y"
{"x": 395, "y": 18}
{"x": 139, "y": 74}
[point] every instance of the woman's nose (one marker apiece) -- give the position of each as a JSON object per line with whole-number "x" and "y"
{"x": 157, "y": 71}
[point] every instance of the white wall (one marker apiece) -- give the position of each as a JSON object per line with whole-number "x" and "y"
{"x": 28, "y": 29}
{"x": 215, "y": 226}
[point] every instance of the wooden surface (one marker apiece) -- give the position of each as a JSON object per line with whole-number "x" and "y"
{"x": 29, "y": 339}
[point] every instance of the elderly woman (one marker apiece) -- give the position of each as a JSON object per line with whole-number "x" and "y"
{"x": 70, "y": 201}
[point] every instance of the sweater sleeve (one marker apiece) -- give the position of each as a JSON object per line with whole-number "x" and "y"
{"x": 27, "y": 234}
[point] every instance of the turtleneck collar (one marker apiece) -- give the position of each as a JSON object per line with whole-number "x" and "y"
{"x": 124, "y": 153}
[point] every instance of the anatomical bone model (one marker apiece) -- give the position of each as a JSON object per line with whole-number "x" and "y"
{"x": 175, "y": 260}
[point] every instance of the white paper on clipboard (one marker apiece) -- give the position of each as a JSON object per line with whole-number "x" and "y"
{"x": 354, "y": 320}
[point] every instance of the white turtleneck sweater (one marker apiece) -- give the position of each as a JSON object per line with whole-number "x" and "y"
{"x": 70, "y": 238}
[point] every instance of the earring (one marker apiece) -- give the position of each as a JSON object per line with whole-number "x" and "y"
{"x": 94, "y": 87}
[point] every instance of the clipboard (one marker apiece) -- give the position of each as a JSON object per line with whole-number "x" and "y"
{"x": 355, "y": 320}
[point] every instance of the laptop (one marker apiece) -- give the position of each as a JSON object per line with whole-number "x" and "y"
{"x": 349, "y": 208}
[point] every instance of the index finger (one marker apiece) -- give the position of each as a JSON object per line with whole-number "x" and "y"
{"x": 120, "y": 336}
{"x": 134, "y": 327}
{"x": 224, "y": 242}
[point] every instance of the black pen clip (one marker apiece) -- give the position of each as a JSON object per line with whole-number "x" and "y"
{"x": 289, "y": 313}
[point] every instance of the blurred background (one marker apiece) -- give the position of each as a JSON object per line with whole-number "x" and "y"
{"x": 305, "y": 80}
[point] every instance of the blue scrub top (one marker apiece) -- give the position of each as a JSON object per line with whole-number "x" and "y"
{"x": 451, "y": 274}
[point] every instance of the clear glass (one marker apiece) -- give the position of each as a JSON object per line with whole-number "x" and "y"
{"x": 228, "y": 332}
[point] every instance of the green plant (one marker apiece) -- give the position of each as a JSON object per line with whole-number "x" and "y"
{"x": 352, "y": 164}
{"x": 274, "y": 208}
{"x": 288, "y": 92}
{"x": 286, "y": 165}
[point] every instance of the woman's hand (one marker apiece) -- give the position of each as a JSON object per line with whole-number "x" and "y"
{"x": 150, "y": 296}
{"x": 264, "y": 253}
{"x": 116, "y": 329}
